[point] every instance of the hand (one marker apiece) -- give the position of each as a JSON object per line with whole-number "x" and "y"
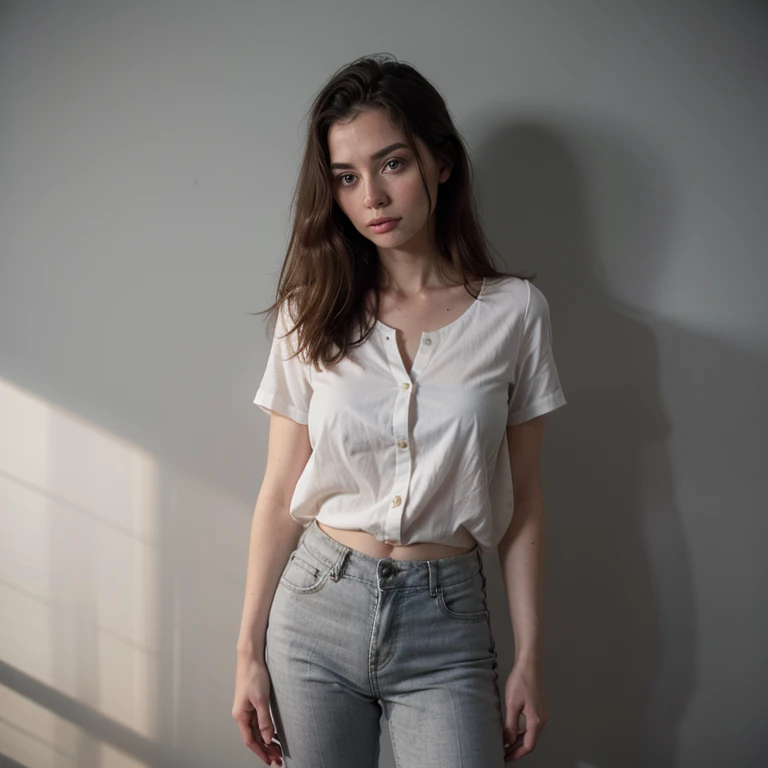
{"x": 251, "y": 708}
{"x": 523, "y": 694}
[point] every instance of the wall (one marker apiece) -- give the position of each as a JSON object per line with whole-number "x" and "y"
{"x": 147, "y": 156}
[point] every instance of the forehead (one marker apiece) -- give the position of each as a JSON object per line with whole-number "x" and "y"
{"x": 355, "y": 140}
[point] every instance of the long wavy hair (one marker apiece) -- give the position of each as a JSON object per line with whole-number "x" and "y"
{"x": 330, "y": 267}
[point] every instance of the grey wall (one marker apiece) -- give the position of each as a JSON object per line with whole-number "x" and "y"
{"x": 147, "y": 156}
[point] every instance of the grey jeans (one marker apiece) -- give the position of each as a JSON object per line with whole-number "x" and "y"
{"x": 350, "y": 636}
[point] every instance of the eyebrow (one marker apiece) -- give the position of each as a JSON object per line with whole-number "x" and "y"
{"x": 374, "y": 156}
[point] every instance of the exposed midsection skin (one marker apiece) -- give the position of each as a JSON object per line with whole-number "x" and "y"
{"x": 368, "y": 544}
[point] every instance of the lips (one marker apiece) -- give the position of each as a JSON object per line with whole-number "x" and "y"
{"x": 385, "y": 226}
{"x": 383, "y": 220}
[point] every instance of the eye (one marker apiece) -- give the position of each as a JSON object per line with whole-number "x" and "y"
{"x": 400, "y": 163}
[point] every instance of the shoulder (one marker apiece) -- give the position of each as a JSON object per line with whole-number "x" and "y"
{"x": 526, "y": 295}
{"x": 514, "y": 293}
{"x": 538, "y": 306}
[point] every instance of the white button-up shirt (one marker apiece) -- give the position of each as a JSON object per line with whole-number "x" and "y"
{"x": 420, "y": 456}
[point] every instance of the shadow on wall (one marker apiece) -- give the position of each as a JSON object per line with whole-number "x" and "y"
{"x": 618, "y": 598}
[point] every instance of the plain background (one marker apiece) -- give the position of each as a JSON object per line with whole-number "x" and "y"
{"x": 148, "y": 151}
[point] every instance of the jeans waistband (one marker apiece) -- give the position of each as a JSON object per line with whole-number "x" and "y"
{"x": 342, "y": 560}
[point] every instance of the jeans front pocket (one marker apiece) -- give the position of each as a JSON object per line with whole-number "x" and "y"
{"x": 304, "y": 573}
{"x": 465, "y": 600}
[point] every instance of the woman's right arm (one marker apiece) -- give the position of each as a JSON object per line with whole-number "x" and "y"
{"x": 274, "y": 535}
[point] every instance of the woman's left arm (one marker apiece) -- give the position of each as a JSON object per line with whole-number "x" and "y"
{"x": 521, "y": 555}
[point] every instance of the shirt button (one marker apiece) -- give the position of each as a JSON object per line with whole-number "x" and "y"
{"x": 396, "y": 501}
{"x": 402, "y": 444}
{"x": 427, "y": 341}
{"x": 405, "y": 385}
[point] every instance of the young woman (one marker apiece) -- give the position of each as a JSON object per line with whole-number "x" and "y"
{"x": 407, "y": 384}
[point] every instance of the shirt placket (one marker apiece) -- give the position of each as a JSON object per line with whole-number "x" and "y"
{"x": 407, "y": 384}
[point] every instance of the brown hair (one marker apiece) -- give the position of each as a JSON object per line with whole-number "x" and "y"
{"x": 329, "y": 266}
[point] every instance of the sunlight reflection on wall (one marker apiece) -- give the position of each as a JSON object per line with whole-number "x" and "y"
{"x": 78, "y": 582}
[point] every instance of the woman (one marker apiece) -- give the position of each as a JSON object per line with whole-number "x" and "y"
{"x": 407, "y": 383}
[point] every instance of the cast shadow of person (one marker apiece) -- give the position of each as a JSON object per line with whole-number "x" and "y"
{"x": 618, "y": 630}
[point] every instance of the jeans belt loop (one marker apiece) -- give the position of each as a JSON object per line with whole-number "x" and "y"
{"x": 338, "y": 567}
{"x": 433, "y": 579}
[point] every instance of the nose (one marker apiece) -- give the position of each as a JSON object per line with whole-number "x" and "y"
{"x": 374, "y": 195}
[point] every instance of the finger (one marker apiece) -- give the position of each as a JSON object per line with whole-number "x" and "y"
{"x": 526, "y": 744}
{"x": 264, "y": 722}
{"x": 513, "y": 743}
{"x": 266, "y": 730}
{"x": 529, "y": 741}
{"x": 513, "y": 717}
{"x": 250, "y": 741}
{"x": 511, "y": 735}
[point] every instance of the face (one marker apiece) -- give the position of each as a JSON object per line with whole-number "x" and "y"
{"x": 373, "y": 179}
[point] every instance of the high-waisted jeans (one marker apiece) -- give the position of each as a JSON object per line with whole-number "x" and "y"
{"x": 350, "y": 635}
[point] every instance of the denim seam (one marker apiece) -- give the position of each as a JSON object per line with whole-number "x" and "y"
{"x": 457, "y": 727}
{"x": 297, "y": 590}
{"x": 371, "y": 666}
{"x": 312, "y": 708}
{"x": 473, "y": 616}
{"x": 372, "y": 583}
{"x": 394, "y": 746}
{"x": 456, "y": 583}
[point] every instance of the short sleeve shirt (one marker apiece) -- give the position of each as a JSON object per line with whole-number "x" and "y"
{"x": 420, "y": 455}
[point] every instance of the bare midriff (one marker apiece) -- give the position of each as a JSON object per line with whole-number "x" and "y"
{"x": 369, "y": 545}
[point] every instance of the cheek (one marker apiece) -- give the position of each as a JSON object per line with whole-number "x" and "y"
{"x": 415, "y": 196}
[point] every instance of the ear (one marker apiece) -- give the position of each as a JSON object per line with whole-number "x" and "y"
{"x": 445, "y": 172}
